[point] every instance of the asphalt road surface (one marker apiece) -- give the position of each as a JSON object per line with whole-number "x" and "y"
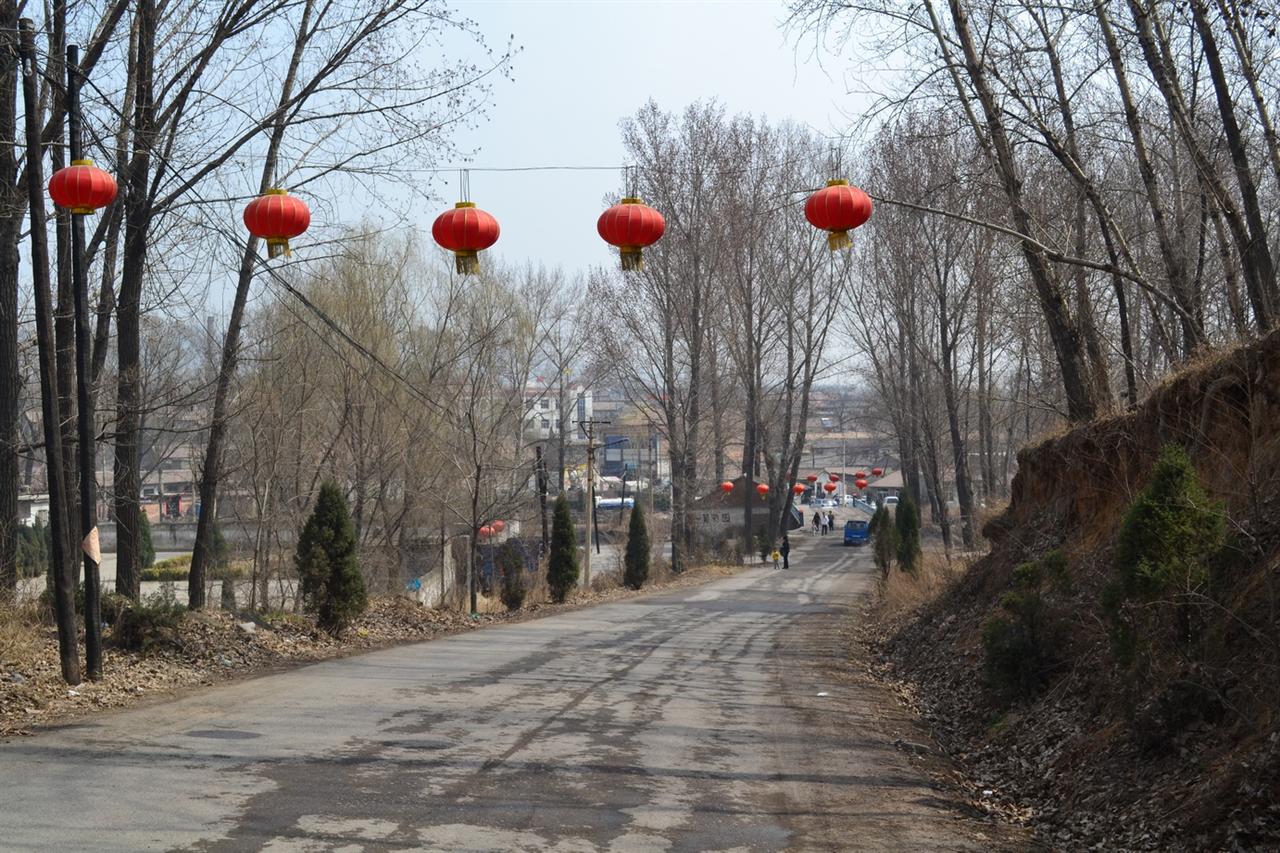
{"x": 694, "y": 720}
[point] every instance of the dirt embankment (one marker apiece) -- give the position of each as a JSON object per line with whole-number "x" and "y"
{"x": 1181, "y": 751}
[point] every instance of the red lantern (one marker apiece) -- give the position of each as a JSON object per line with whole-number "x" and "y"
{"x": 631, "y": 225}
{"x": 726, "y": 487}
{"x": 82, "y": 187}
{"x": 876, "y": 472}
{"x": 812, "y": 478}
{"x": 499, "y": 526}
{"x": 486, "y": 531}
{"x": 276, "y": 216}
{"x": 835, "y": 478}
{"x": 762, "y": 490}
{"x": 838, "y": 209}
{"x": 466, "y": 230}
{"x": 858, "y": 475}
{"x": 798, "y": 489}
{"x": 830, "y": 487}
{"x": 861, "y": 484}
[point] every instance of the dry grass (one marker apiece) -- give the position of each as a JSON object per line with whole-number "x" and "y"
{"x": 901, "y": 593}
{"x": 20, "y": 631}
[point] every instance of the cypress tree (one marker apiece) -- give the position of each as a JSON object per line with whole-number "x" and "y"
{"x": 562, "y": 565}
{"x": 146, "y": 550}
{"x": 907, "y": 525}
{"x": 884, "y": 539}
{"x": 510, "y": 565}
{"x": 636, "y": 560}
{"x": 332, "y": 586}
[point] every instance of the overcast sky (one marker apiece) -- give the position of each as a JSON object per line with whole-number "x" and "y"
{"x": 584, "y": 66}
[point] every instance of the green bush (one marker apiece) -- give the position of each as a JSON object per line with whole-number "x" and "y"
{"x": 168, "y": 573}
{"x": 907, "y": 528}
{"x": 509, "y": 563}
{"x": 636, "y": 559}
{"x": 884, "y": 539}
{"x": 146, "y": 550}
{"x": 764, "y": 543}
{"x": 562, "y": 564}
{"x": 332, "y": 586}
{"x": 1022, "y": 642}
{"x": 150, "y": 624}
{"x": 1170, "y": 535}
{"x": 35, "y": 550}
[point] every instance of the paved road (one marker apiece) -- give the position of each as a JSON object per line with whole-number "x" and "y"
{"x": 682, "y": 721}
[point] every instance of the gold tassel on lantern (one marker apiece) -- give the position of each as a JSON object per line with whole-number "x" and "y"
{"x": 466, "y": 263}
{"x": 632, "y": 258}
{"x": 838, "y": 240}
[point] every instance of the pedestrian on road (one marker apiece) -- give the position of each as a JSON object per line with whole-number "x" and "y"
{"x": 816, "y": 516}
{"x": 831, "y": 521}
{"x": 776, "y": 556}
{"x": 786, "y": 552}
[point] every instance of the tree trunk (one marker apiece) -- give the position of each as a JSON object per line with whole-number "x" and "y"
{"x": 11, "y": 216}
{"x": 138, "y": 214}
{"x": 1255, "y": 256}
{"x": 1082, "y": 404}
{"x": 1258, "y": 246}
{"x": 62, "y": 568}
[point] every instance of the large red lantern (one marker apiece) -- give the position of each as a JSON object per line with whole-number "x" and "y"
{"x": 798, "y": 489}
{"x": 276, "y": 216}
{"x": 726, "y": 487}
{"x": 838, "y": 209}
{"x": 762, "y": 490}
{"x": 631, "y": 225}
{"x": 830, "y": 487}
{"x": 876, "y": 472}
{"x": 82, "y": 187}
{"x": 812, "y": 478}
{"x": 465, "y": 230}
{"x": 835, "y": 478}
{"x": 861, "y": 484}
{"x": 499, "y": 526}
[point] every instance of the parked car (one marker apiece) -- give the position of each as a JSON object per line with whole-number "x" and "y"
{"x": 891, "y": 501}
{"x": 856, "y": 531}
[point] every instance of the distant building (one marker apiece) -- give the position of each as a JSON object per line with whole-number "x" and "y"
{"x": 542, "y": 413}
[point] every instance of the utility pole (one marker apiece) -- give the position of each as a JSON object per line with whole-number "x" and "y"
{"x": 590, "y": 426}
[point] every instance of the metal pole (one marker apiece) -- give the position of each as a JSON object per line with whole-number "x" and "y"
{"x": 590, "y": 502}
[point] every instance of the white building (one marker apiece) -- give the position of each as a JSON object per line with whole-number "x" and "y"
{"x": 542, "y": 410}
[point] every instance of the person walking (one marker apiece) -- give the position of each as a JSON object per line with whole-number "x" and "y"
{"x": 831, "y": 521}
{"x": 786, "y": 552}
{"x": 817, "y": 520}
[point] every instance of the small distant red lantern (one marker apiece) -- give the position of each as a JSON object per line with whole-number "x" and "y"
{"x": 830, "y": 487}
{"x": 798, "y": 489}
{"x": 82, "y": 187}
{"x": 812, "y": 478}
{"x": 465, "y": 230}
{"x": 631, "y": 225}
{"x": 835, "y": 478}
{"x": 861, "y": 484}
{"x": 486, "y": 531}
{"x": 276, "y": 216}
{"x": 499, "y": 526}
{"x": 859, "y": 475}
{"x": 876, "y": 472}
{"x": 762, "y": 490}
{"x": 838, "y": 209}
{"x": 726, "y": 487}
